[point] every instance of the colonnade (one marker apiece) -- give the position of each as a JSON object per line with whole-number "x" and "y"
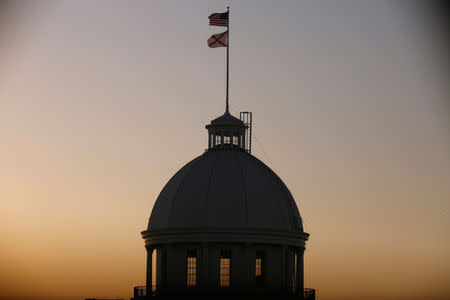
{"x": 288, "y": 267}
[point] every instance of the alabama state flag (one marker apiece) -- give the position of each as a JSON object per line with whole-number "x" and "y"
{"x": 218, "y": 40}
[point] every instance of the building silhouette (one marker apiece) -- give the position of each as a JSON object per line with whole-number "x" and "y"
{"x": 225, "y": 226}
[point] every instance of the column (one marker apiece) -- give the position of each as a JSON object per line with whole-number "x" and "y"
{"x": 302, "y": 286}
{"x": 203, "y": 276}
{"x": 292, "y": 270}
{"x": 248, "y": 268}
{"x": 284, "y": 277}
{"x": 299, "y": 283}
{"x": 148, "y": 288}
{"x": 163, "y": 267}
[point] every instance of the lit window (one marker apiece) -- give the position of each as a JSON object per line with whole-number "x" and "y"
{"x": 191, "y": 271}
{"x": 224, "y": 272}
{"x": 258, "y": 267}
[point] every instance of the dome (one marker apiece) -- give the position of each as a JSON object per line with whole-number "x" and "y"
{"x": 225, "y": 190}
{"x": 230, "y": 214}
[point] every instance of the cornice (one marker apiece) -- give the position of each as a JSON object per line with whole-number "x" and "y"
{"x": 213, "y": 235}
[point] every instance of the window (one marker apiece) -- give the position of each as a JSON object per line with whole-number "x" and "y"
{"x": 258, "y": 267}
{"x": 191, "y": 271}
{"x": 191, "y": 279}
{"x": 224, "y": 272}
{"x": 226, "y": 140}
{"x": 225, "y": 268}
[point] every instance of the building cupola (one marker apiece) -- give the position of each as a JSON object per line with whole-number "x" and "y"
{"x": 227, "y": 133}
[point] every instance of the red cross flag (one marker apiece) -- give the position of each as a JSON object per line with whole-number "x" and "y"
{"x": 218, "y": 40}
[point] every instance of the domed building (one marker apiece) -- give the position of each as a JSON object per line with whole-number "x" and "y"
{"x": 225, "y": 225}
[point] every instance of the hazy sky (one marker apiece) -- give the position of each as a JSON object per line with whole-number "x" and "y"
{"x": 101, "y": 102}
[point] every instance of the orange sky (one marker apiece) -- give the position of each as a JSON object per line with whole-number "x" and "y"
{"x": 101, "y": 103}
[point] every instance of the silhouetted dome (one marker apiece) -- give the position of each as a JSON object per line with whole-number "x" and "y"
{"x": 225, "y": 190}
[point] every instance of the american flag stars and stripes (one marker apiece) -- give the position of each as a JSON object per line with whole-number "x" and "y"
{"x": 219, "y": 19}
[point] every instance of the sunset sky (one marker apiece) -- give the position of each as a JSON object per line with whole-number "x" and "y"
{"x": 101, "y": 102}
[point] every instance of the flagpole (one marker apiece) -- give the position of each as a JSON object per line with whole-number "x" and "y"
{"x": 228, "y": 56}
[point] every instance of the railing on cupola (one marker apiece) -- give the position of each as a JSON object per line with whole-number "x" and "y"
{"x": 246, "y": 117}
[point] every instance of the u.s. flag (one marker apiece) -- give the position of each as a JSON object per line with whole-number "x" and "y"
{"x": 219, "y": 19}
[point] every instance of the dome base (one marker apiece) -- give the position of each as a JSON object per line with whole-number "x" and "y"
{"x": 258, "y": 236}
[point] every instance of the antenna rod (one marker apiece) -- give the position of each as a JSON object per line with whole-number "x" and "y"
{"x": 227, "y": 111}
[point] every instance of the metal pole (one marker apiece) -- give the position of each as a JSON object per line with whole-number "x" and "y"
{"x": 251, "y": 125}
{"x": 228, "y": 55}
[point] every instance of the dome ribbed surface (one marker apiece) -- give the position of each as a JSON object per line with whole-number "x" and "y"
{"x": 225, "y": 190}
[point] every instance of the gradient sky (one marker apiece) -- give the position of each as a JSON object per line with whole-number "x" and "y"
{"x": 101, "y": 102}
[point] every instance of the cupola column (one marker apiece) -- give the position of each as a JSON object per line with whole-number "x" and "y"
{"x": 204, "y": 266}
{"x": 284, "y": 277}
{"x": 299, "y": 283}
{"x": 248, "y": 268}
{"x": 149, "y": 281}
{"x": 163, "y": 267}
